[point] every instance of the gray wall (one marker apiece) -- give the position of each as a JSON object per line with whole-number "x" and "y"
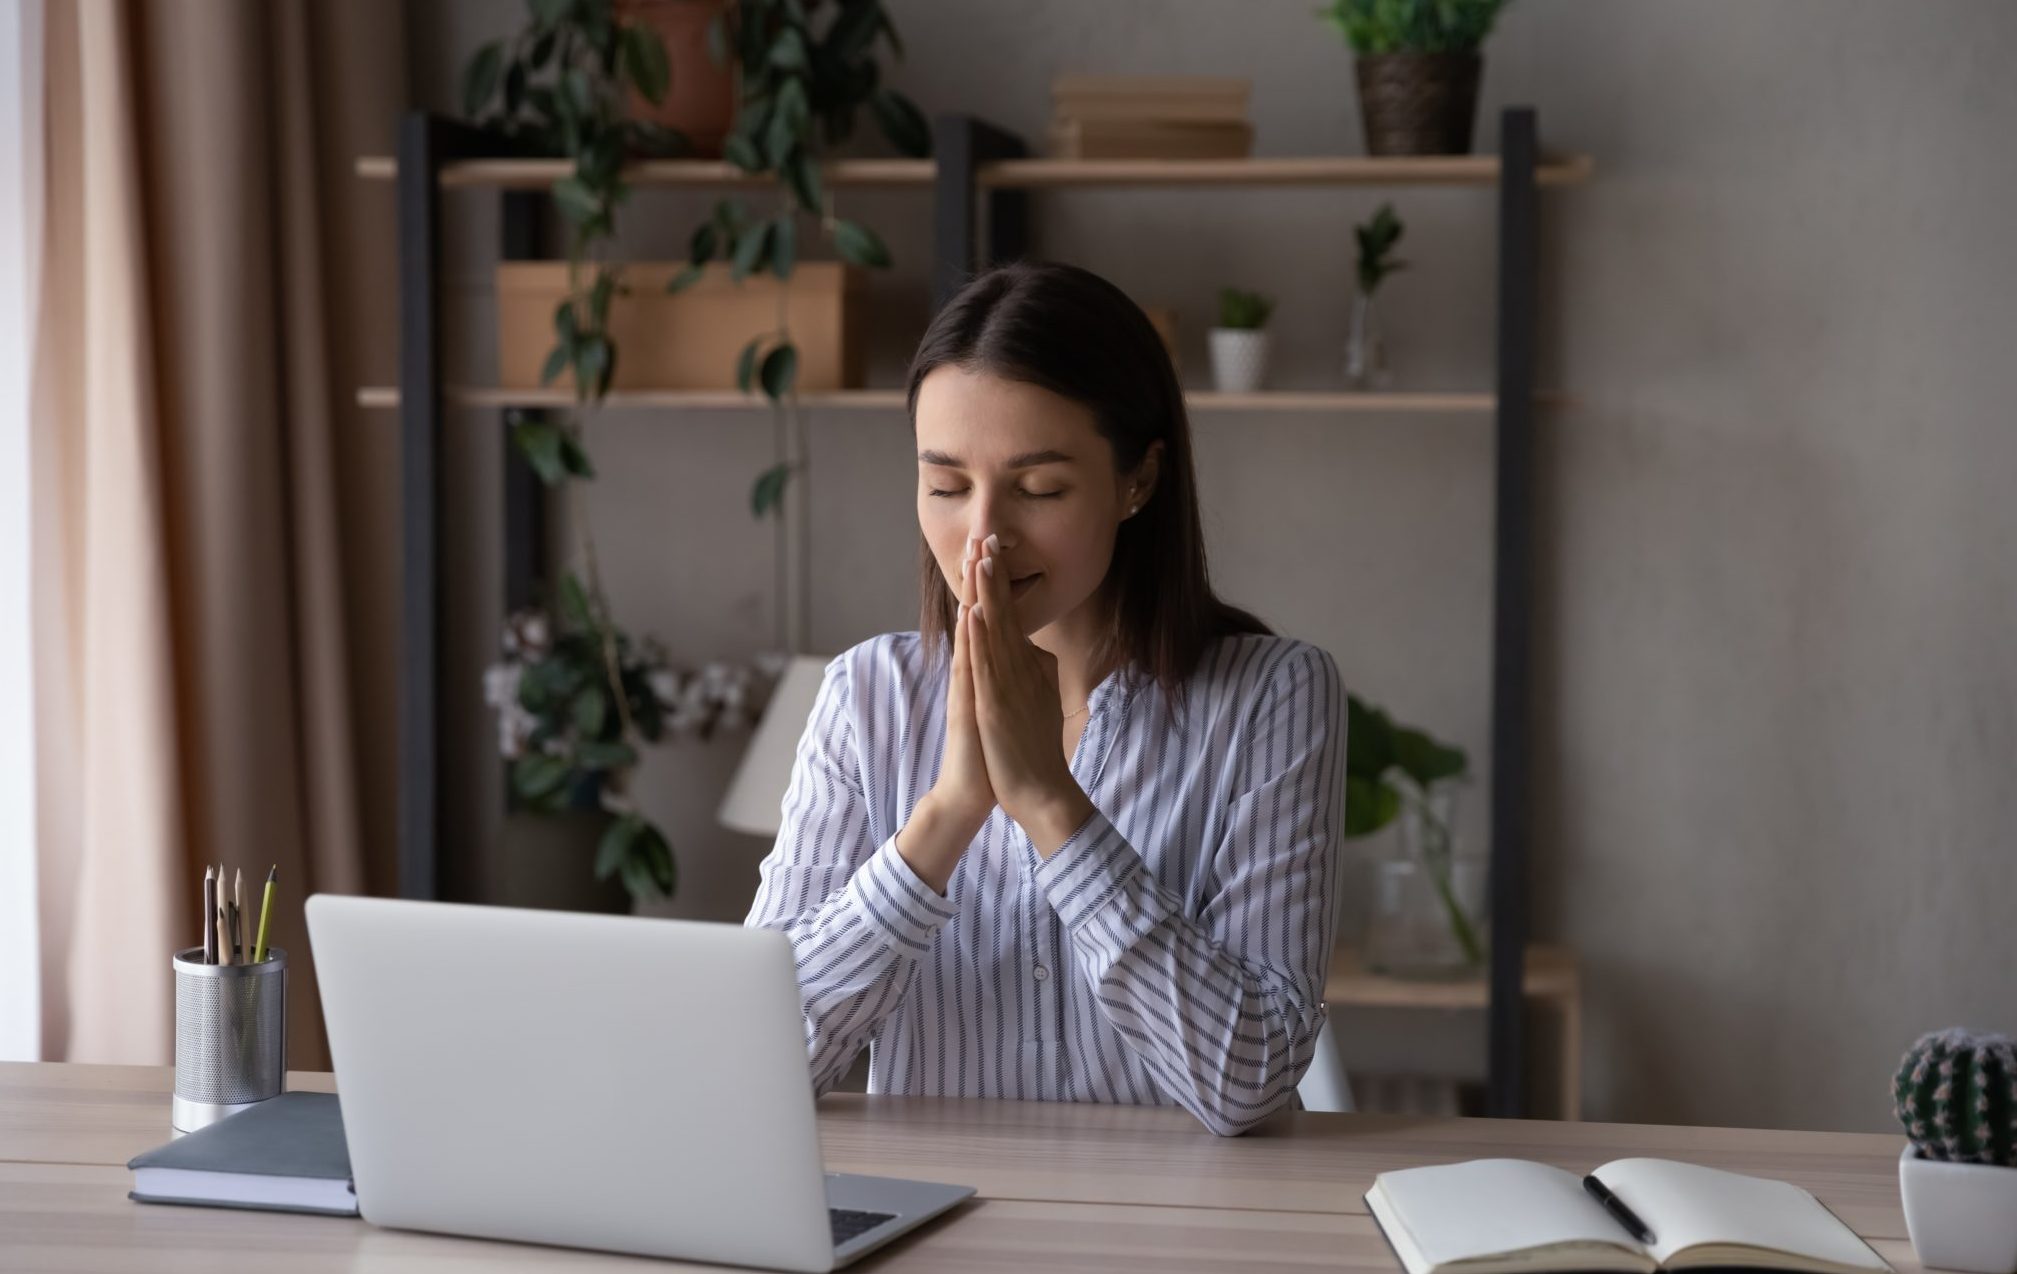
{"x": 1778, "y": 574}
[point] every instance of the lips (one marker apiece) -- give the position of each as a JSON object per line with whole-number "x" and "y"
{"x": 1017, "y": 587}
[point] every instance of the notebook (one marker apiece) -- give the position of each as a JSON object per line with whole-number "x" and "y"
{"x": 287, "y": 1154}
{"x": 1487, "y": 1215}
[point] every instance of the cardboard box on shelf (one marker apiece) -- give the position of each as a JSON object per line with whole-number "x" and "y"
{"x": 689, "y": 339}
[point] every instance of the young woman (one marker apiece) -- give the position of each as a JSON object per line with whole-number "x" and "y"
{"x": 1073, "y": 839}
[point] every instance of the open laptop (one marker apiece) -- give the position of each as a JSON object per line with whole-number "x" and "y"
{"x": 611, "y": 1082}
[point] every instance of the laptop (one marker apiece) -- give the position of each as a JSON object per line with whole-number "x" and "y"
{"x": 611, "y": 1082}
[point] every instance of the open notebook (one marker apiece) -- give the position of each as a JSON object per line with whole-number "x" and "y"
{"x": 1487, "y": 1215}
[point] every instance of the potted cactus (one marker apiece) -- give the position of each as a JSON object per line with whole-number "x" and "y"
{"x": 1956, "y": 1095}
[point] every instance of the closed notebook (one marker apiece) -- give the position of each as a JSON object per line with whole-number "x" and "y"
{"x": 286, "y": 1154}
{"x": 1488, "y": 1215}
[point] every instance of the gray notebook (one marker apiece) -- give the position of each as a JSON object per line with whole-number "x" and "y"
{"x": 286, "y": 1154}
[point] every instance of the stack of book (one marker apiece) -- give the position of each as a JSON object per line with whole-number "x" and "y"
{"x": 1150, "y": 117}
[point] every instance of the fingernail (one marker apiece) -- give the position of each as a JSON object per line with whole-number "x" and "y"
{"x": 987, "y": 565}
{"x": 993, "y": 544}
{"x": 969, "y": 545}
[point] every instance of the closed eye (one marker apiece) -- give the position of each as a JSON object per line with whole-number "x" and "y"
{"x": 1034, "y": 495}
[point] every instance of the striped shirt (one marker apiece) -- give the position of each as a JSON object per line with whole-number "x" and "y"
{"x": 1172, "y": 952}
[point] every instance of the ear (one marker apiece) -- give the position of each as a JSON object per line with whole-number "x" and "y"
{"x": 1147, "y": 474}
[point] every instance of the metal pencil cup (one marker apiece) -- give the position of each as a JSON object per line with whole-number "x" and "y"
{"x": 230, "y": 1036}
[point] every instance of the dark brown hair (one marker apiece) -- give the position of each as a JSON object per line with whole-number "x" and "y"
{"x": 1073, "y": 333}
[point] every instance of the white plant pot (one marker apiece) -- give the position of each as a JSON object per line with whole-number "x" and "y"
{"x": 1961, "y": 1216}
{"x": 1239, "y": 359}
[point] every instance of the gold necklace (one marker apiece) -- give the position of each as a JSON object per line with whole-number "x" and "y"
{"x": 1081, "y": 708}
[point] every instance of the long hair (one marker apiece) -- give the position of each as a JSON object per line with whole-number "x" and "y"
{"x": 1073, "y": 333}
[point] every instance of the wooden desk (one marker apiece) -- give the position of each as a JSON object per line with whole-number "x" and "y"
{"x": 1069, "y": 1187}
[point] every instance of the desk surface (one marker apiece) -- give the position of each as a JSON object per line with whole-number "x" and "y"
{"x": 1070, "y": 1186}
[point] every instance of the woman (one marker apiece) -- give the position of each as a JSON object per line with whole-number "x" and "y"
{"x": 1143, "y": 913}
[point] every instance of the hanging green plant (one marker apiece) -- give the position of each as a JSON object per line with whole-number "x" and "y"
{"x": 561, "y": 85}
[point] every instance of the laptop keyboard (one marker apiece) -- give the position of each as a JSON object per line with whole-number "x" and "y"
{"x": 849, "y": 1224}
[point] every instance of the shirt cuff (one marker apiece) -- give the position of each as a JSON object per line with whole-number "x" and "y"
{"x": 892, "y": 900}
{"x": 1097, "y": 874}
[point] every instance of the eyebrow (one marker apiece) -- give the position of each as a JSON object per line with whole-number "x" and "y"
{"x": 1027, "y": 460}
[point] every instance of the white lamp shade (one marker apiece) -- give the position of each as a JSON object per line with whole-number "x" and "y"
{"x": 755, "y": 798}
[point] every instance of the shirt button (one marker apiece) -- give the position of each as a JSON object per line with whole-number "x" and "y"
{"x": 1040, "y": 973}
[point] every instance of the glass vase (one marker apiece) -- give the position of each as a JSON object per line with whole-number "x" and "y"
{"x": 1365, "y": 346}
{"x": 1429, "y": 913}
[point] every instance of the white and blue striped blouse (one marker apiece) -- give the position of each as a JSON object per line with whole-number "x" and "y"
{"x": 1173, "y": 951}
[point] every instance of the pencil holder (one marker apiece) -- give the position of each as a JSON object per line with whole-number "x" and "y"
{"x": 230, "y": 1036}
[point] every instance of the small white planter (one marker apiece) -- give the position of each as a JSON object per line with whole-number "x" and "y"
{"x": 1239, "y": 359}
{"x": 1961, "y": 1216}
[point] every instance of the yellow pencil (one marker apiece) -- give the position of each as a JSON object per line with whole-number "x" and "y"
{"x": 265, "y": 910}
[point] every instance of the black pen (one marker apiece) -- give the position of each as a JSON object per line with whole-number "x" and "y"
{"x": 1616, "y": 1207}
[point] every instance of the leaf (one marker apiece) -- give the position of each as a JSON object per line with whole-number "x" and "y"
{"x": 556, "y": 363}
{"x": 593, "y": 365}
{"x": 686, "y": 278}
{"x": 786, "y": 131}
{"x": 750, "y": 251}
{"x": 860, "y": 245}
{"x": 788, "y": 52}
{"x": 1369, "y": 741}
{"x": 550, "y": 12}
{"x": 742, "y": 152}
{"x": 1369, "y": 806}
{"x": 514, "y": 88}
{"x": 579, "y": 90}
{"x": 1423, "y": 759}
{"x": 902, "y": 122}
{"x": 780, "y": 371}
{"x": 768, "y": 492}
{"x": 645, "y": 62}
{"x": 479, "y": 78}
{"x": 591, "y": 709}
{"x": 542, "y": 50}
{"x": 573, "y": 457}
{"x": 540, "y": 443}
{"x": 614, "y": 847}
{"x": 783, "y": 245}
{"x": 651, "y": 846}
{"x": 577, "y": 202}
{"x": 537, "y": 775}
{"x": 745, "y": 364}
{"x": 706, "y": 242}
{"x": 574, "y": 603}
{"x": 854, "y": 30}
{"x": 803, "y": 176}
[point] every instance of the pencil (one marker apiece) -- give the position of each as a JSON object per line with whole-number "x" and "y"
{"x": 237, "y": 904}
{"x": 209, "y": 911}
{"x": 265, "y": 910}
{"x": 223, "y": 939}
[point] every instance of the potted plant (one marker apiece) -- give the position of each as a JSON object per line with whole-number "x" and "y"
{"x": 1417, "y": 70}
{"x": 1240, "y": 342}
{"x": 1955, "y": 1093}
{"x": 1365, "y": 341}
{"x": 1428, "y": 910}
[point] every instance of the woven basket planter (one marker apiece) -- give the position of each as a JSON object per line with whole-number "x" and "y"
{"x": 1418, "y": 103}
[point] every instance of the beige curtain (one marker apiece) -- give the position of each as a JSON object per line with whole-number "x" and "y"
{"x": 201, "y": 326}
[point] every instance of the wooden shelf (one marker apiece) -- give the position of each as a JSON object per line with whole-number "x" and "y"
{"x": 1270, "y": 170}
{"x": 386, "y": 396}
{"x": 1028, "y": 174}
{"x": 1549, "y": 973}
{"x": 537, "y": 174}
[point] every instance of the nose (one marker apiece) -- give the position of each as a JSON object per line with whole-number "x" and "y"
{"x": 988, "y": 515}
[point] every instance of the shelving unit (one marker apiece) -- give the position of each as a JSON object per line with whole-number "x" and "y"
{"x": 980, "y": 181}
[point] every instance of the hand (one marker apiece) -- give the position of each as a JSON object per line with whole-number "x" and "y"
{"x": 962, "y": 784}
{"x": 1021, "y": 724}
